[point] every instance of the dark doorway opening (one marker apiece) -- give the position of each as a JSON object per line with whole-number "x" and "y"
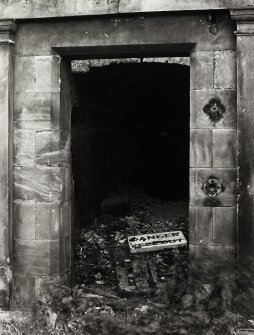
{"x": 130, "y": 159}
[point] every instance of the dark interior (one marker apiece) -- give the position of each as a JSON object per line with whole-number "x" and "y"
{"x": 130, "y": 127}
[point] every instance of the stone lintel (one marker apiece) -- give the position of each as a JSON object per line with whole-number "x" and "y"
{"x": 7, "y": 30}
{"x": 244, "y": 19}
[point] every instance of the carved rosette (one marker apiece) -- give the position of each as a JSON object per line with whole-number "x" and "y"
{"x": 212, "y": 187}
{"x": 215, "y": 110}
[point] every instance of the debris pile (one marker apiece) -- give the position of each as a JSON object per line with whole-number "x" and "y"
{"x": 103, "y": 255}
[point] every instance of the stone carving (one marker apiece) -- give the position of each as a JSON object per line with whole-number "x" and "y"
{"x": 215, "y": 110}
{"x": 212, "y": 187}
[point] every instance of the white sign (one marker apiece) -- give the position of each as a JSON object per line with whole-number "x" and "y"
{"x": 156, "y": 241}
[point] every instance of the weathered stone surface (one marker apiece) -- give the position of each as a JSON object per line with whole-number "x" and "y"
{"x": 24, "y": 220}
{"x": 66, "y": 94}
{"x": 167, "y": 5}
{"x": 6, "y": 136}
{"x": 40, "y": 184}
{"x": 224, "y": 148}
{"x": 66, "y": 239}
{"x": 45, "y": 283}
{"x": 224, "y": 230}
{"x": 24, "y": 288}
{"x": 37, "y": 110}
{"x": 36, "y": 257}
{"x": 202, "y": 100}
{"x": 47, "y": 74}
{"x": 106, "y": 36}
{"x": 4, "y": 61}
{"x": 201, "y": 142}
{"x": 24, "y": 147}
{"x": 245, "y": 50}
{"x": 67, "y": 180}
{"x": 47, "y": 217}
{"x": 66, "y": 217}
{"x": 24, "y": 74}
{"x": 201, "y": 225}
{"x": 211, "y": 260}
{"x": 53, "y": 148}
{"x": 225, "y": 69}
{"x": 35, "y": 125}
{"x": 221, "y": 193}
{"x": 5, "y": 114}
{"x": 20, "y": 9}
{"x": 202, "y": 69}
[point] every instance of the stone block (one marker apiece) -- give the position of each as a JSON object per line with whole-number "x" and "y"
{"x": 45, "y": 284}
{"x": 6, "y": 92}
{"x": 4, "y": 62}
{"x": 66, "y": 95}
{"x": 67, "y": 182}
{"x": 201, "y": 143}
{"x": 224, "y": 148}
{"x": 47, "y": 217}
{"x": 24, "y": 220}
{"x": 24, "y": 74}
{"x": 65, "y": 240}
{"x": 47, "y": 74}
{"x": 39, "y": 184}
{"x": 213, "y": 187}
{"x": 224, "y": 230}
{"x": 225, "y": 69}
{"x": 213, "y": 109}
{"x": 202, "y": 70}
{"x": 24, "y": 147}
{"x": 201, "y": 225}
{"x": 246, "y": 150}
{"x": 68, "y": 260}
{"x": 25, "y": 295}
{"x": 53, "y": 148}
{"x": 37, "y": 110}
{"x": 36, "y": 258}
{"x": 34, "y": 125}
{"x": 66, "y": 217}
{"x": 211, "y": 260}
{"x": 89, "y": 6}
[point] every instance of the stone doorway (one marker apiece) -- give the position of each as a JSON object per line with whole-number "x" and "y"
{"x": 130, "y": 141}
{"x": 39, "y": 214}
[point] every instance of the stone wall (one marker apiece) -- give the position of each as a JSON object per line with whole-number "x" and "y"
{"x": 7, "y": 31}
{"x": 58, "y": 8}
{"x": 42, "y": 173}
{"x": 213, "y": 152}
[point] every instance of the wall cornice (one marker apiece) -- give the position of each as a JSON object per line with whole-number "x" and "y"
{"x": 7, "y": 30}
{"x": 244, "y": 19}
{"x": 32, "y": 9}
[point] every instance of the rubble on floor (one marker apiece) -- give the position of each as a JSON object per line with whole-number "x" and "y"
{"x": 103, "y": 253}
{"x": 142, "y": 293}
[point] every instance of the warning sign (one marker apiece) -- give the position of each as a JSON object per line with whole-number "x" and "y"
{"x": 156, "y": 241}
